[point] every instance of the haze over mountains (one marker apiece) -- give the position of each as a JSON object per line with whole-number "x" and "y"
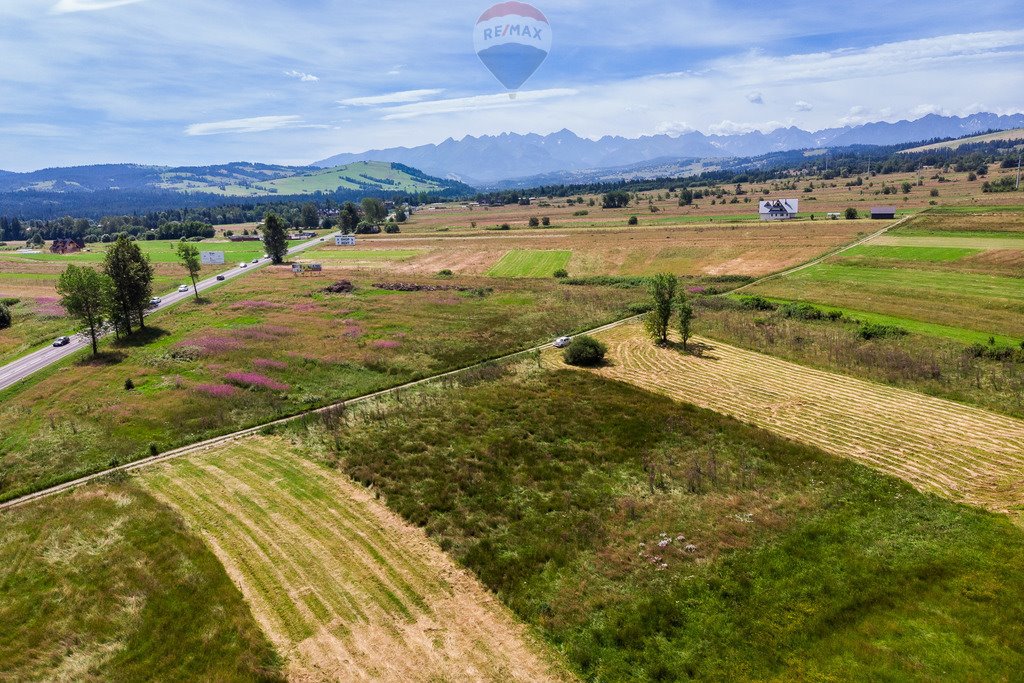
{"x": 487, "y": 160}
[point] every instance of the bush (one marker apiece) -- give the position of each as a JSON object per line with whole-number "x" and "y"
{"x": 561, "y": 273}
{"x": 392, "y": 228}
{"x": 879, "y": 331}
{"x": 10, "y": 301}
{"x": 445, "y": 273}
{"x": 633, "y": 220}
{"x": 534, "y": 222}
{"x": 851, "y": 214}
{"x": 545, "y": 221}
{"x": 129, "y": 384}
{"x": 5, "y": 317}
{"x": 581, "y": 213}
{"x": 756, "y": 303}
{"x": 934, "y": 193}
{"x": 585, "y": 351}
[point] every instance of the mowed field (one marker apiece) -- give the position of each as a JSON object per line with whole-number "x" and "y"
{"x": 962, "y": 453}
{"x": 530, "y": 263}
{"x": 345, "y": 589}
{"x": 960, "y": 268}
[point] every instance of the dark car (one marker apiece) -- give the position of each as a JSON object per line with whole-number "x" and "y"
{"x": 62, "y": 341}
{"x": 220, "y": 278}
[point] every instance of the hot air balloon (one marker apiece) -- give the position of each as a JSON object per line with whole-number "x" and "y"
{"x": 512, "y": 39}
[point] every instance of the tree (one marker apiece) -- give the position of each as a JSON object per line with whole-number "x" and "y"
{"x": 86, "y": 295}
{"x": 663, "y": 291}
{"x": 400, "y": 216}
{"x": 132, "y": 275}
{"x": 851, "y": 214}
{"x": 190, "y": 258}
{"x": 275, "y": 241}
{"x": 349, "y": 218}
{"x": 616, "y": 199}
{"x": 685, "y": 317}
{"x": 5, "y": 316}
{"x": 374, "y": 210}
{"x": 310, "y": 216}
{"x": 633, "y": 220}
{"x": 686, "y": 197}
{"x": 534, "y": 222}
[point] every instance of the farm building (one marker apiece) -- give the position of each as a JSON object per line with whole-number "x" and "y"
{"x": 883, "y": 212}
{"x": 779, "y": 209}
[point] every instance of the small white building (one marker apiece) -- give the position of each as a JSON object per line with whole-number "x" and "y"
{"x": 345, "y": 240}
{"x": 779, "y": 209}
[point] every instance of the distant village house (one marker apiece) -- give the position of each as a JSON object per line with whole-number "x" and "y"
{"x": 883, "y": 212}
{"x": 779, "y": 209}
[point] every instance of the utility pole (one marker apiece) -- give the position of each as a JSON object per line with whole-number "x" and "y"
{"x": 1020, "y": 152}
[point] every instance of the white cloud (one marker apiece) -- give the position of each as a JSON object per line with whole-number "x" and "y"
{"x": 36, "y": 130}
{"x": 67, "y": 6}
{"x": 473, "y": 104}
{"x": 925, "y": 109}
{"x": 304, "y": 77}
{"x": 257, "y": 124}
{"x": 755, "y": 98}
{"x": 674, "y": 128}
{"x": 733, "y": 128}
{"x": 403, "y": 97}
{"x": 802, "y": 105}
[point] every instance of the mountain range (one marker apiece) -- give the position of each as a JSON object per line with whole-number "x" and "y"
{"x": 489, "y": 160}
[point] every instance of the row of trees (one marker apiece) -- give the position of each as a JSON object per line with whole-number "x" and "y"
{"x": 668, "y": 299}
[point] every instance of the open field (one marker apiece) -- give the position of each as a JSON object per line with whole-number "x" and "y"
{"x": 977, "y": 289}
{"x": 649, "y": 540}
{"x": 104, "y": 584}
{"x": 699, "y": 249}
{"x": 530, "y": 263}
{"x": 265, "y": 346}
{"x": 968, "y": 455}
{"x": 344, "y": 588}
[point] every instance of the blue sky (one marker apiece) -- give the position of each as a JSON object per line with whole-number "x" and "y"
{"x": 185, "y": 82}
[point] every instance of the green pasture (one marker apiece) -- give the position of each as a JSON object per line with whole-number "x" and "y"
{"x": 530, "y": 263}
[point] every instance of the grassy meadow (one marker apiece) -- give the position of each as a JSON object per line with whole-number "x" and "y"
{"x": 670, "y": 542}
{"x": 265, "y": 346}
{"x": 104, "y": 583}
{"x": 530, "y": 263}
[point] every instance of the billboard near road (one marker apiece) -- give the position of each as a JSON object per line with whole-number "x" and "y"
{"x": 212, "y": 258}
{"x": 345, "y": 241}
{"x": 303, "y": 268}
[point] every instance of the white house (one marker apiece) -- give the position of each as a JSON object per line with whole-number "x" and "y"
{"x": 345, "y": 240}
{"x": 779, "y": 209}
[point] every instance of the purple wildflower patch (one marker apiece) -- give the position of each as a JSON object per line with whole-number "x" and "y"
{"x": 217, "y": 390}
{"x": 50, "y": 307}
{"x": 211, "y": 345}
{"x": 254, "y": 379}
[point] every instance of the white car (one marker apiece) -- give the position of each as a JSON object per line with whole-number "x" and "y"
{"x": 155, "y": 301}
{"x": 182, "y": 288}
{"x": 243, "y": 264}
{"x": 562, "y": 342}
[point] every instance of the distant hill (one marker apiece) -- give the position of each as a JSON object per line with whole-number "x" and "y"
{"x": 491, "y": 159}
{"x": 232, "y": 180}
{"x": 1016, "y": 135}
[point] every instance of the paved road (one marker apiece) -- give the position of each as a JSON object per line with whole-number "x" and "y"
{"x": 26, "y": 365}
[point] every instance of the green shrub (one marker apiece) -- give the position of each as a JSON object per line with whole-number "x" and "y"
{"x": 5, "y": 317}
{"x": 584, "y": 351}
{"x": 534, "y": 222}
{"x": 10, "y": 301}
{"x": 581, "y": 213}
{"x": 129, "y": 384}
{"x": 756, "y": 303}
{"x": 561, "y": 273}
{"x": 446, "y": 272}
{"x": 851, "y": 214}
{"x": 880, "y": 331}
{"x": 633, "y": 220}
{"x": 545, "y": 221}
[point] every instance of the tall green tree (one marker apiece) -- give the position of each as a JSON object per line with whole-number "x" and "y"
{"x": 192, "y": 261}
{"x": 86, "y": 295}
{"x": 663, "y": 293}
{"x": 310, "y": 216}
{"x": 132, "y": 275}
{"x": 275, "y": 240}
{"x": 374, "y": 210}
{"x": 685, "y": 309}
{"x": 349, "y": 218}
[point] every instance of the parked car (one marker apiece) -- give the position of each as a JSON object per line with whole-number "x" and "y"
{"x": 562, "y": 342}
{"x": 62, "y": 341}
{"x": 220, "y": 278}
{"x": 182, "y": 288}
{"x": 155, "y": 301}
{"x": 243, "y": 264}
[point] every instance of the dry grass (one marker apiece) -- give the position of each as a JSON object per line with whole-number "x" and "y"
{"x": 966, "y": 454}
{"x": 344, "y": 588}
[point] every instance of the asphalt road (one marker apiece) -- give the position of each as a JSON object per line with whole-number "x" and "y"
{"x": 26, "y": 365}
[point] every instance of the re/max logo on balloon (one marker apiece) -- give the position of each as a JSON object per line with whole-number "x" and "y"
{"x": 514, "y": 30}
{"x": 512, "y": 39}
